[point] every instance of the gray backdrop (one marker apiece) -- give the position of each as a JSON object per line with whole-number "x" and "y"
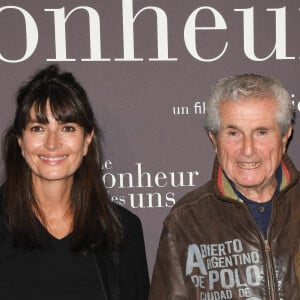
{"x": 148, "y": 67}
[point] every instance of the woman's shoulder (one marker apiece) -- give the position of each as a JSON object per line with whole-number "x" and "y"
{"x": 127, "y": 218}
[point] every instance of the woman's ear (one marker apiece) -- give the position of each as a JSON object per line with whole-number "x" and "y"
{"x": 88, "y": 139}
{"x": 20, "y": 142}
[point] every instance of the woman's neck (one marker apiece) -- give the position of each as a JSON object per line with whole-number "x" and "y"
{"x": 54, "y": 206}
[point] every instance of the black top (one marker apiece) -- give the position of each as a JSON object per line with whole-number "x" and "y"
{"x": 54, "y": 272}
{"x": 51, "y": 272}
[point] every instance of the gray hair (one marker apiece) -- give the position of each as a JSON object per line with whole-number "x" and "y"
{"x": 245, "y": 86}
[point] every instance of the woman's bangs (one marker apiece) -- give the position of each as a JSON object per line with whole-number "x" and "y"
{"x": 62, "y": 106}
{"x": 65, "y": 110}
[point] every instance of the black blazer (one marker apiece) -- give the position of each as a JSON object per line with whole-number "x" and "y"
{"x": 124, "y": 273}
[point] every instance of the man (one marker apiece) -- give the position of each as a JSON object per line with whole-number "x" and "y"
{"x": 238, "y": 236}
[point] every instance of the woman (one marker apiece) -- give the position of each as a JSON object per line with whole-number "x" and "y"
{"x": 60, "y": 235}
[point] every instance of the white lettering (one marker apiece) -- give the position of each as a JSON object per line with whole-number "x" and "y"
{"x": 280, "y": 44}
{"x": 190, "y": 32}
{"x": 128, "y": 33}
{"x": 60, "y": 34}
{"x": 194, "y": 260}
{"x": 32, "y": 35}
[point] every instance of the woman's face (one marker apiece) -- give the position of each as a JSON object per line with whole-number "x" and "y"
{"x": 53, "y": 151}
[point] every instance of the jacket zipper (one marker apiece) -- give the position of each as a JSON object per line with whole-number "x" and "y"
{"x": 270, "y": 267}
{"x": 267, "y": 254}
{"x": 271, "y": 280}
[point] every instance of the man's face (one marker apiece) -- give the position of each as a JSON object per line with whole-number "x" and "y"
{"x": 250, "y": 146}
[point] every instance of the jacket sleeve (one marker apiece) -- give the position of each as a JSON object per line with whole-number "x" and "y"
{"x": 167, "y": 279}
{"x": 134, "y": 276}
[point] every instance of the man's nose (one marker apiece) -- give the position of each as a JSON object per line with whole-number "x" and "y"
{"x": 248, "y": 146}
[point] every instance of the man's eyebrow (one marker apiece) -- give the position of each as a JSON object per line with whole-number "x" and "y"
{"x": 230, "y": 126}
{"x": 263, "y": 128}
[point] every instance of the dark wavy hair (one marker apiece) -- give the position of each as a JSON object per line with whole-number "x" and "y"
{"x": 95, "y": 222}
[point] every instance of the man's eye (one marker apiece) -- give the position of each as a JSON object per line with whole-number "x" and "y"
{"x": 262, "y": 132}
{"x": 232, "y": 133}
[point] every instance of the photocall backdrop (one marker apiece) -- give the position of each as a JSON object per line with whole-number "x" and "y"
{"x": 148, "y": 67}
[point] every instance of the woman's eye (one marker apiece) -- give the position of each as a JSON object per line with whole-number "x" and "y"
{"x": 68, "y": 128}
{"x": 36, "y": 129}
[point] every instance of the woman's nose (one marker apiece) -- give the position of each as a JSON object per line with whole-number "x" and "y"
{"x": 52, "y": 141}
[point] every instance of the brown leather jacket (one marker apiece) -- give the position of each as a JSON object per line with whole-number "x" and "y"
{"x": 212, "y": 249}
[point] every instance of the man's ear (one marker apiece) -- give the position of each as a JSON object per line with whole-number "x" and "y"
{"x": 213, "y": 139}
{"x": 286, "y": 137}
